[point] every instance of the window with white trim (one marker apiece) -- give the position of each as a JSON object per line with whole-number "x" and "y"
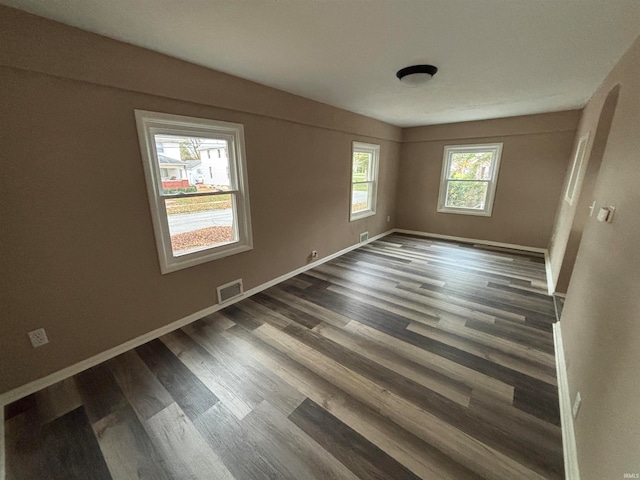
{"x": 469, "y": 179}
{"x": 196, "y": 218}
{"x": 575, "y": 176}
{"x": 364, "y": 179}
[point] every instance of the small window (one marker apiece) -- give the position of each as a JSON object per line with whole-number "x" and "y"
{"x": 194, "y": 222}
{"x": 469, "y": 177}
{"x": 576, "y": 170}
{"x": 364, "y": 179}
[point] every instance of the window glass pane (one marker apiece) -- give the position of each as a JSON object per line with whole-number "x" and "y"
{"x": 361, "y": 197}
{"x": 471, "y": 166}
{"x": 198, "y": 223}
{"x": 471, "y": 195}
{"x": 361, "y": 166}
{"x": 193, "y": 164}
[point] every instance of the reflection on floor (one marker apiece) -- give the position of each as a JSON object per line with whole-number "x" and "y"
{"x": 407, "y": 358}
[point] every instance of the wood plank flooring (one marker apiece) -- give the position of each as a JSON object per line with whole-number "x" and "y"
{"x": 406, "y": 358}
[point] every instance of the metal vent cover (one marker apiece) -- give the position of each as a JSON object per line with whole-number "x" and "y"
{"x": 230, "y": 291}
{"x": 364, "y": 237}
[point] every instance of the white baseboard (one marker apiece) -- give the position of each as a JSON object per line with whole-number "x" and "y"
{"x": 472, "y": 240}
{"x": 39, "y": 384}
{"x": 571, "y": 470}
{"x": 551, "y": 286}
{"x": 547, "y": 266}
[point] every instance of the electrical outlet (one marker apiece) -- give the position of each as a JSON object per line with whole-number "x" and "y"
{"x": 38, "y": 338}
{"x": 576, "y": 404}
{"x": 314, "y": 254}
{"x": 388, "y": 218}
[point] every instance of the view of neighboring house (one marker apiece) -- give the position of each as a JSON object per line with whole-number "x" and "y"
{"x": 173, "y": 172}
{"x": 210, "y": 168}
{"x": 215, "y": 162}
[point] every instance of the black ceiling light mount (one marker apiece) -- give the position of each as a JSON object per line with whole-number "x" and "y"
{"x": 416, "y": 74}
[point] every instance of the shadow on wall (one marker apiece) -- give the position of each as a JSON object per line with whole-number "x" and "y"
{"x": 582, "y": 212}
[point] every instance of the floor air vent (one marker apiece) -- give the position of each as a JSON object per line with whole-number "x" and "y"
{"x": 230, "y": 290}
{"x": 364, "y": 237}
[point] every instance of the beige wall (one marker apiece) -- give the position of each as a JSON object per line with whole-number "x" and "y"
{"x": 78, "y": 253}
{"x": 534, "y": 161}
{"x": 571, "y": 219}
{"x": 601, "y": 319}
{"x": 77, "y": 249}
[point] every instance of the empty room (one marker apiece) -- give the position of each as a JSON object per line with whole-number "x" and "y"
{"x": 296, "y": 239}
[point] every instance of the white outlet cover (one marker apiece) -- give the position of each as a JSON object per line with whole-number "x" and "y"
{"x": 38, "y": 337}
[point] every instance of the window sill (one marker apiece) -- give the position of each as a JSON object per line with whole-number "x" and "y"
{"x": 460, "y": 211}
{"x": 173, "y": 264}
{"x": 361, "y": 215}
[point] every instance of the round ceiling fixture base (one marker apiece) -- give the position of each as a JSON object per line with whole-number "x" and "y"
{"x": 416, "y": 74}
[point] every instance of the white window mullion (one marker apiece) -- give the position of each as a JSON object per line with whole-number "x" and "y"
{"x": 198, "y": 223}
{"x": 359, "y": 195}
{"x": 459, "y": 161}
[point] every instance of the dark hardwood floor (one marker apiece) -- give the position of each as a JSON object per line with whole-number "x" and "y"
{"x": 407, "y": 358}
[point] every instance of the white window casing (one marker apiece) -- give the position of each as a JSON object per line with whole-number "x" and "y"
{"x": 577, "y": 170}
{"x": 486, "y": 178}
{"x": 368, "y": 183}
{"x": 152, "y": 124}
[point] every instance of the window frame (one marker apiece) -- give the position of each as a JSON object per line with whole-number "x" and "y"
{"x": 374, "y": 150}
{"x": 449, "y": 150}
{"x": 574, "y": 181}
{"x": 150, "y": 124}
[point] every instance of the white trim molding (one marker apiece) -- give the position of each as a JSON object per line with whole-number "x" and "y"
{"x": 39, "y": 384}
{"x": 472, "y": 240}
{"x": 151, "y": 126}
{"x": 371, "y": 181}
{"x": 495, "y": 149}
{"x": 36, "y": 385}
{"x": 577, "y": 173}
{"x": 551, "y": 286}
{"x": 571, "y": 470}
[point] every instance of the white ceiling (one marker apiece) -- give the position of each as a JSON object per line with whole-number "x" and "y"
{"x": 496, "y": 58}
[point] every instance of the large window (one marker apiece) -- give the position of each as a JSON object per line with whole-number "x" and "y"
{"x": 469, "y": 177}
{"x": 364, "y": 179}
{"x": 196, "y": 217}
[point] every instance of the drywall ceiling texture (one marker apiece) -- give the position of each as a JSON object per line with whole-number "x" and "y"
{"x": 600, "y": 325}
{"x": 496, "y": 58}
{"x": 79, "y": 256}
{"x": 534, "y": 160}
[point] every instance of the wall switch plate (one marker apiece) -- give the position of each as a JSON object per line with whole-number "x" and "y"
{"x": 38, "y": 337}
{"x": 576, "y": 405}
{"x": 606, "y": 214}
